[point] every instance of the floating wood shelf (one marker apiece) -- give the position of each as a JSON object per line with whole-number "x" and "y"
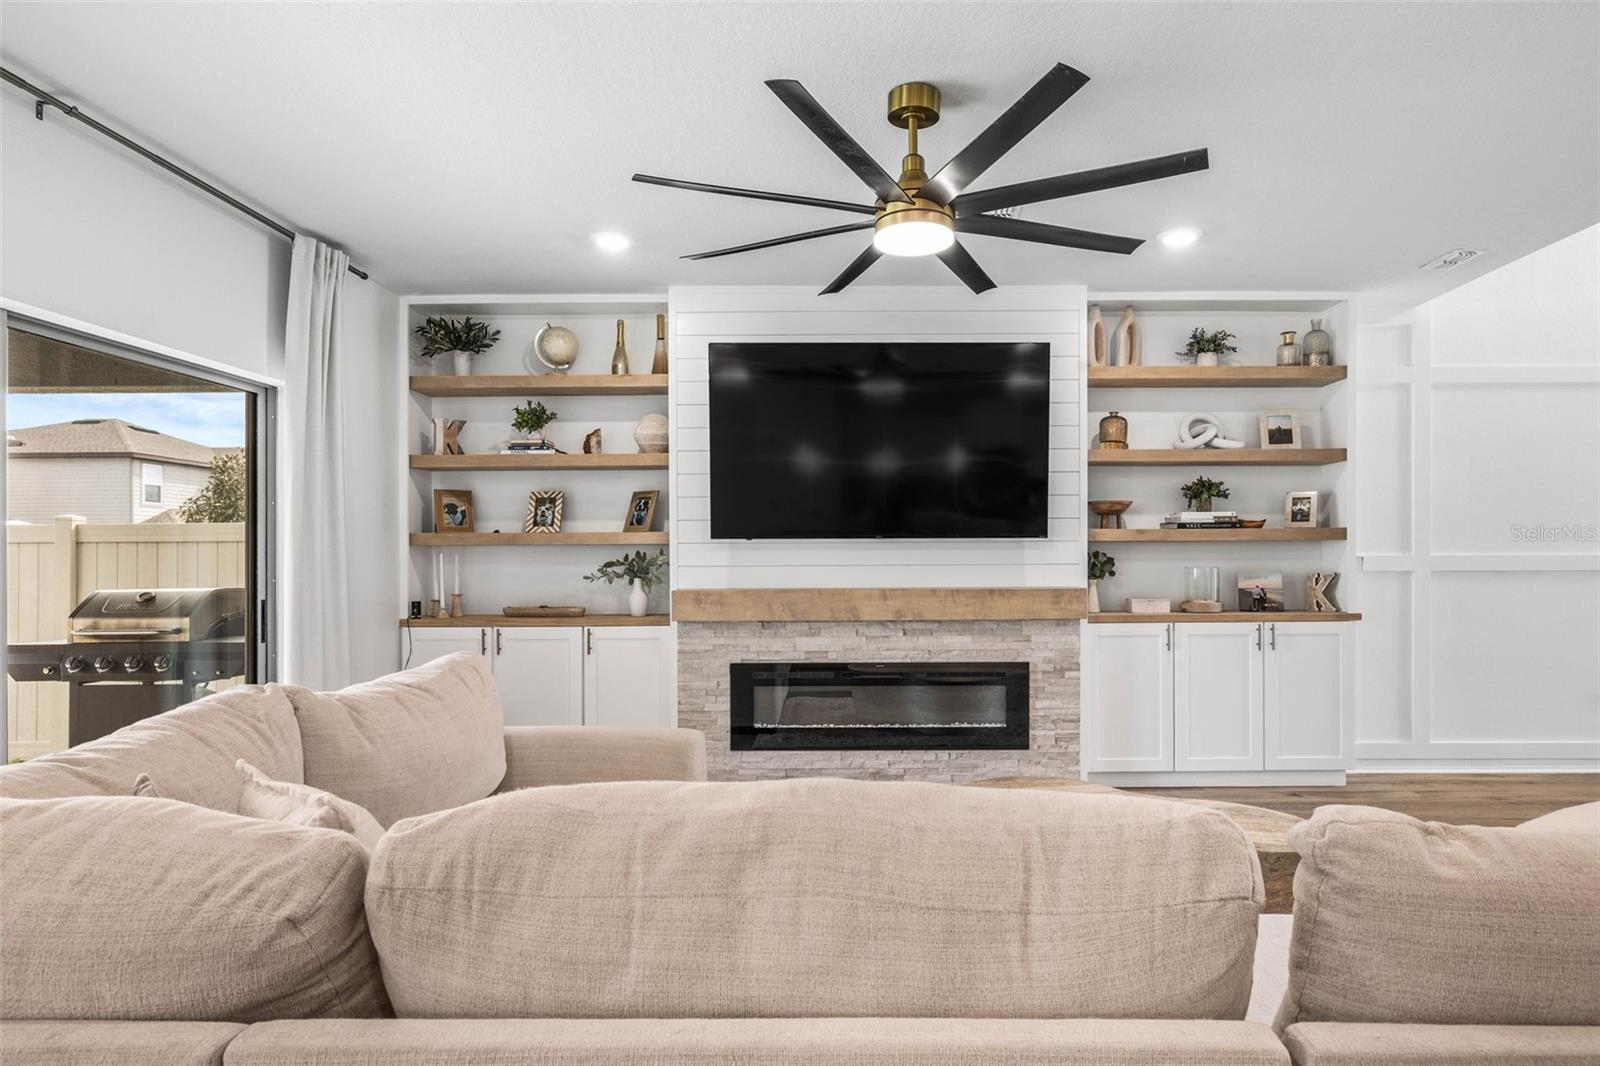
{"x": 1218, "y": 535}
{"x": 1228, "y": 616}
{"x": 540, "y": 385}
{"x": 475, "y": 621}
{"x": 495, "y": 540}
{"x": 1216, "y": 456}
{"x": 1204, "y": 377}
{"x": 542, "y": 461}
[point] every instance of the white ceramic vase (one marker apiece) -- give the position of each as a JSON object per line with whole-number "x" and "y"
{"x": 1205, "y": 359}
{"x": 461, "y": 363}
{"x": 638, "y": 599}
{"x": 1094, "y": 596}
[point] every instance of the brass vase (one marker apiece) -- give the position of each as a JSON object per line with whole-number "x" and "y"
{"x": 1113, "y": 431}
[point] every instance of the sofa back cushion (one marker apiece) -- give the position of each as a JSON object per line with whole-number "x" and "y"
{"x": 1398, "y": 920}
{"x": 188, "y": 752}
{"x": 410, "y": 743}
{"x": 812, "y": 898}
{"x": 155, "y": 909}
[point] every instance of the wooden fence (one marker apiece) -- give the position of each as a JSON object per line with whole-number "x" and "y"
{"x": 50, "y": 568}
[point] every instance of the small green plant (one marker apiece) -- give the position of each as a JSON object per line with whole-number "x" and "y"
{"x": 1200, "y": 342}
{"x": 531, "y": 417}
{"x": 440, "y": 335}
{"x": 1201, "y": 491}
{"x": 1101, "y": 565}
{"x": 647, "y": 570}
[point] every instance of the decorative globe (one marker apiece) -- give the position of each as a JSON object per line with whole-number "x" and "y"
{"x": 556, "y": 347}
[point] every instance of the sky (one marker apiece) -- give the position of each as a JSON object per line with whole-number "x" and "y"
{"x": 215, "y": 419}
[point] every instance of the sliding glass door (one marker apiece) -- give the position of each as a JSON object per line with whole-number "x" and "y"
{"x": 138, "y": 535}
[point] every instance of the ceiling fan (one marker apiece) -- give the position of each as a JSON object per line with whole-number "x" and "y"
{"x": 918, "y": 215}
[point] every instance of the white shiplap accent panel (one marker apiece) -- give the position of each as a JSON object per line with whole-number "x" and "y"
{"x": 703, "y": 316}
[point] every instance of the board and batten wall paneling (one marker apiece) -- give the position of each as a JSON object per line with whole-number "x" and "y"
{"x": 703, "y": 316}
{"x": 1479, "y": 424}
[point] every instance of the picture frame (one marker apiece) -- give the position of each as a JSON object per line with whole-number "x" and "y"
{"x": 453, "y": 511}
{"x": 1302, "y": 508}
{"x": 1280, "y": 429}
{"x": 544, "y": 512}
{"x": 1260, "y": 592}
{"x": 641, "y": 516}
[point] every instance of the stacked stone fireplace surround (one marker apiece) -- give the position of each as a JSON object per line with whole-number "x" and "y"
{"x": 1051, "y": 649}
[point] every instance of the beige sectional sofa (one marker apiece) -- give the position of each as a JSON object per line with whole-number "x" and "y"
{"x": 636, "y": 914}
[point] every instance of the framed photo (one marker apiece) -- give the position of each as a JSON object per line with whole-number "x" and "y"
{"x": 641, "y": 511}
{"x": 1260, "y": 592}
{"x": 1280, "y": 429}
{"x": 544, "y": 512}
{"x": 1300, "y": 508}
{"x": 452, "y": 510}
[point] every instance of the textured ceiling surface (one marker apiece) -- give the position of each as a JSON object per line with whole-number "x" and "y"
{"x": 475, "y": 147}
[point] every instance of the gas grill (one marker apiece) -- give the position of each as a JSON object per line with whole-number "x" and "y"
{"x": 133, "y": 653}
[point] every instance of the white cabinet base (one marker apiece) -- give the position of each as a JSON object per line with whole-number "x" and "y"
{"x": 1220, "y": 779}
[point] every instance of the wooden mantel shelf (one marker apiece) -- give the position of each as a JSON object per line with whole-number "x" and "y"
{"x": 878, "y": 605}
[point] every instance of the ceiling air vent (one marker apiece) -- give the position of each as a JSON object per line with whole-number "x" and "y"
{"x": 1452, "y": 259}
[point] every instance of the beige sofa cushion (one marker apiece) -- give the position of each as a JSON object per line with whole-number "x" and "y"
{"x": 1582, "y": 818}
{"x": 302, "y": 805}
{"x": 1398, "y": 920}
{"x": 1354, "y": 1044}
{"x": 188, "y": 752}
{"x": 815, "y": 898}
{"x": 538, "y": 755}
{"x": 410, "y": 743}
{"x": 156, "y": 909}
{"x": 115, "y": 1043}
{"x": 759, "y": 1042}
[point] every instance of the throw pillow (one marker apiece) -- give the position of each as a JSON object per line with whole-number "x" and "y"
{"x": 281, "y": 801}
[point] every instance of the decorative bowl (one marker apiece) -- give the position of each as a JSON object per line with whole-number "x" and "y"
{"x": 1252, "y": 523}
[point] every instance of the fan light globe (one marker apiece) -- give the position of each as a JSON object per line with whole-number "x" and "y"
{"x": 910, "y": 237}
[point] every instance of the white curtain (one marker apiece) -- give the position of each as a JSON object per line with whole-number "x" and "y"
{"x": 314, "y": 631}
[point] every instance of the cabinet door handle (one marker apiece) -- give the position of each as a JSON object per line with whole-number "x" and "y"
{"x": 483, "y": 642}
{"x": 1169, "y": 636}
{"x": 1274, "y": 636}
{"x": 588, "y": 642}
{"x": 1258, "y": 636}
{"x": 498, "y": 633}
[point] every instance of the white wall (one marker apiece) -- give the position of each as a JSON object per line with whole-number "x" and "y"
{"x": 91, "y": 232}
{"x": 1479, "y": 424}
{"x": 702, "y": 316}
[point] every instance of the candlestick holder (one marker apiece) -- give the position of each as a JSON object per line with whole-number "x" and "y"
{"x": 433, "y": 608}
{"x": 440, "y": 610}
{"x": 455, "y": 605}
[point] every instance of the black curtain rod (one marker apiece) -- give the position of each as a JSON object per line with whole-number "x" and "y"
{"x": 41, "y": 98}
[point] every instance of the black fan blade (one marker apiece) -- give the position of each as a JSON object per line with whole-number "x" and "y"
{"x": 775, "y": 241}
{"x": 1037, "y": 232}
{"x": 1032, "y": 192}
{"x": 1031, "y": 108}
{"x": 961, "y": 263}
{"x": 756, "y": 194}
{"x": 840, "y": 143}
{"x": 857, "y": 267}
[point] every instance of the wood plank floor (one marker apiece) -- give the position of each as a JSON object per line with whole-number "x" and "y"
{"x": 1460, "y": 799}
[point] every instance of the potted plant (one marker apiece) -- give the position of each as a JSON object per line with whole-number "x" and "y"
{"x": 1207, "y": 349}
{"x": 460, "y": 338}
{"x": 640, "y": 571}
{"x": 1101, "y": 565}
{"x": 529, "y": 419}
{"x": 1201, "y": 491}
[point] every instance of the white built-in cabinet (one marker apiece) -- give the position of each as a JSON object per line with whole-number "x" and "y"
{"x": 566, "y": 675}
{"x": 1225, "y": 697}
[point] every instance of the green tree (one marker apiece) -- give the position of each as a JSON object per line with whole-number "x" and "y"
{"x": 223, "y": 498}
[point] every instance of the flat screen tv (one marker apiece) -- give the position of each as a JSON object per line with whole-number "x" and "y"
{"x": 879, "y": 440}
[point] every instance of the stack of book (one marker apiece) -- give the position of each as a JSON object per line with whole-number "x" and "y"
{"x": 1202, "y": 520}
{"x": 528, "y": 447}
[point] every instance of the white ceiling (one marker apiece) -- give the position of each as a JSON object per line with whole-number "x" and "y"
{"x": 474, "y": 147}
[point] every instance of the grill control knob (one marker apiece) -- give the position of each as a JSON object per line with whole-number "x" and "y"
{"x": 103, "y": 663}
{"x": 162, "y": 663}
{"x": 133, "y": 663}
{"x": 74, "y": 664}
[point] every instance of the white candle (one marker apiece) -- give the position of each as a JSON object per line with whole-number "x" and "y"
{"x": 438, "y": 576}
{"x": 458, "y": 573}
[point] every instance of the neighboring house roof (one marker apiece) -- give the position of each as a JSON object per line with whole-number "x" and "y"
{"x": 104, "y": 438}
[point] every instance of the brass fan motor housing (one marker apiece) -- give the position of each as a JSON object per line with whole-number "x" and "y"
{"x": 918, "y": 210}
{"x": 914, "y": 99}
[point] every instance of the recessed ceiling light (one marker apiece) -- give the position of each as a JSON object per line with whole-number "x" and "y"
{"x": 611, "y": 241}
{"x": 1180, "y": 237}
